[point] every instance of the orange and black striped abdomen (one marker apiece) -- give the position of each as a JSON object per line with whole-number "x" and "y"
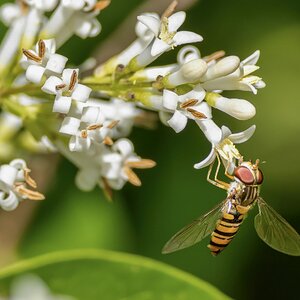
{"x": 225, "y": 231}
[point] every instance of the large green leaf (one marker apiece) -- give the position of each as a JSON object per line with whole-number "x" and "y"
{"x": 99, "y": 274}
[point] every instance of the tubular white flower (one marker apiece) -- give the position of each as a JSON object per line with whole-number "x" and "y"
{"x": 240, "y": 79}
{"x": 166, "y": 38}
{"x": 189, "y": 72}
{"x": 165, "y": 31}
{"x": 14, "y": 179}
{"x": 118, "y": 164}
{"x": 119, "y": 112}
{"x": 237, "y": 108}
{"x": 66, "y": 89}
{"x": 184, "y": 107}
{"x": 42, "y": 61}
{"x": 223, "y": 145}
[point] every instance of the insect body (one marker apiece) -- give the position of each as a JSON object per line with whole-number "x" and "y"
{"x": 224, "y": 220}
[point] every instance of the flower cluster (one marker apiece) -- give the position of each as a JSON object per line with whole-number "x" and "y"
{"x": 88, "y": 119}
{"x": 16, "y": 185}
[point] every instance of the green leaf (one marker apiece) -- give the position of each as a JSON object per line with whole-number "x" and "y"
{"x": 91, "y": 274}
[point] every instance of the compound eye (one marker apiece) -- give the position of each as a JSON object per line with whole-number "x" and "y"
{"x": 244, "y": 175}
{"x": 260, "y": 177}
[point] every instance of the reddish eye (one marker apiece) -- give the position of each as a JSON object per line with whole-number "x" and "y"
{"x": 244, "y": 175}
{"x": 260, "y": 177}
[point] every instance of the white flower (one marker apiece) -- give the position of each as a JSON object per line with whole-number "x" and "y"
{"x": 42, "y": 61}
{"x": 166, "y": 32}
{"x": 184, "y": 107}
{"x": 66, "y": 89}
{"x": 31, "y": 287}
{"x": 238, "y": 108}
{"x": 14, "y": 178}
{"x": 119, "y": 162}
{"x": 90, "y": 129}
{"x": 121, "y": 112}
{"x": 239, "y": 79}
{"x": 223, "y": 145}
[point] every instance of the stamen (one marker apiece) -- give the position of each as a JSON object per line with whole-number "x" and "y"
{"x": 214, "y": 56}
{"x": 60, "y": 86}
{"x": 94, "y": 126}
{"x": 84, "y": 134}
{"x": 100, "y": 5}
{"x": 187, "y": 103}
{"x": 141, "y": 164}
{"x": 30, "y": 55}
{"x": 31, "y": 182}
{"x": 42, "y": 48}
{"x": 107, "y": 189}
{"x": 113, "y": 124}
{"x": 73, "y": 81}
{"x": 170, "y": 9}
{"x": 196, "y": 114}
{"x": 108, "y": 141}
{"x": 132, "y": 177}
{"x": 31, "y": 195}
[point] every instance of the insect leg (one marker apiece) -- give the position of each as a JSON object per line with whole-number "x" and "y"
{"x": 214, "y": 182}
{"x": 217, "y": 172}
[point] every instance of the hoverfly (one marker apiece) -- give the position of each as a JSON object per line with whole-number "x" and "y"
{"x": 223, "y": 221}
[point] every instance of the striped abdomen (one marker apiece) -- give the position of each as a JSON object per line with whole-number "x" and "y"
{"x": 225, "y": 231}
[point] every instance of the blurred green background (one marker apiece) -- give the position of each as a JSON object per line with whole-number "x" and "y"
{"x": 142, "y": 220}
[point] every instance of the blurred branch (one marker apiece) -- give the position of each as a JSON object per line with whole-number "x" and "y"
{"x": 122, "y": 37}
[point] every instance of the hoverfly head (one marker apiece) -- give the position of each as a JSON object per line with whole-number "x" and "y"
{"x": 249, "y": 173}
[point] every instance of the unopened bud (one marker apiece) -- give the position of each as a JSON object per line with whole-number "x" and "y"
{"x": 223, "y": 67}
{"x": 188, "y": 73}
{"x": 237, "y": 108}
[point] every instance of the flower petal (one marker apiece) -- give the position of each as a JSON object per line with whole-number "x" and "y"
{"x": 124, "y": 146}
{"x": 170, "y": 100}
{"x": 62, "y": 104}
{"x": 243, "y": 136}
{"x": 92, "y": 115}
{"x": 210, "y": 129}
{"x": 178, "y": 121}
{"x": 252, "y": 59}
{"x": 70, "y": 126}
{"x": 10, "y": 202}
{"x": 151, "y": 22}
{"x": 81, "y": 93}
{"x": 50, "y": 85}
{"x": 35, "y": 73}
{"x": 159, "y": 47}
{"x": 207, "y": 161}
{"x": 56, "y": 63}
{"x": 176, "y": 20}
{"x": 186, "y": 37}
{"x": 8, "y": 175}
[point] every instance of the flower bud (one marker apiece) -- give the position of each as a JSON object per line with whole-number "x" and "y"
{"x": 223, "y": 67}
{"x": 237, "y": 108}
{"x": 188, "y": 73}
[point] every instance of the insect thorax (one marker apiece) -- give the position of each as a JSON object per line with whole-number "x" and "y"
{"x": 243, "y": 194}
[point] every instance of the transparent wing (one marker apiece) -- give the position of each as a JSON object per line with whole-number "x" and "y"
{"x": 275, "y": 230}
{"x": 197, "y": 230}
